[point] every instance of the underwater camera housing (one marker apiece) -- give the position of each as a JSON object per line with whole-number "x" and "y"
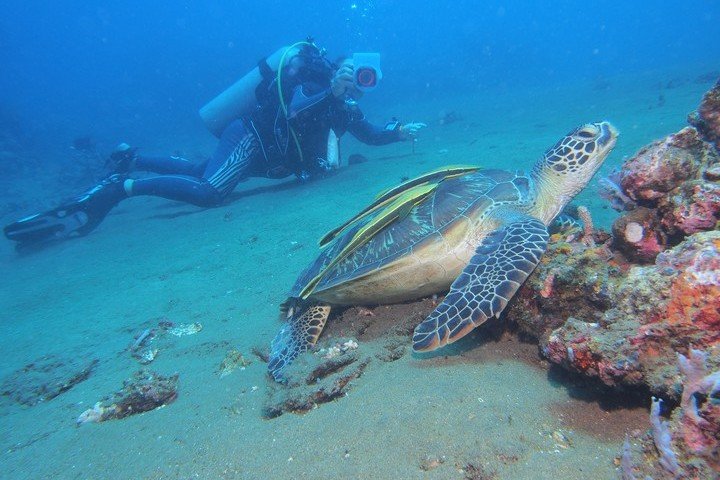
{"x": 366, "y": 71}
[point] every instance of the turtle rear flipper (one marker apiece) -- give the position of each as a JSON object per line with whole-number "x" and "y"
{"x": 299, "y": 333}
{"x": 502, "y": 262}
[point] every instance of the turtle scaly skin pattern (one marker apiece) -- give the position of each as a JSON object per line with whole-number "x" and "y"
{"x": 478, "y": 233}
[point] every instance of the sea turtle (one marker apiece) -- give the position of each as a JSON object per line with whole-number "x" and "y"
{"x": 479, "y": 233}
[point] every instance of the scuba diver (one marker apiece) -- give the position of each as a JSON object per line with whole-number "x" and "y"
{"x": 281, "y": 119}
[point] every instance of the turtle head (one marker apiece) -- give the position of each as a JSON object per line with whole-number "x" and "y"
{"x": 568, "y": 166}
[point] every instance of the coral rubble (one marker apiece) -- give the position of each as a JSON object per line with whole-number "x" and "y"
{"x": 316, "y": 379}
{"x": 144, "y": 392}
{"x": 45, "y": 378}
{"x": 233, "y": 360}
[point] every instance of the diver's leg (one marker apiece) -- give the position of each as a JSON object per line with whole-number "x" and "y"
{"x": 182, "y": 188}
{"x": 226, "y": 168}
{"x": 126, "y": 159}
{"x": 169, "y": 165}
{"x": 229, "y": 165}
{"x": 233, "y": 158}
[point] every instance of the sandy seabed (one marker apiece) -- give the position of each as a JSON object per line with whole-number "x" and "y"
{"x": 491, "y": 409}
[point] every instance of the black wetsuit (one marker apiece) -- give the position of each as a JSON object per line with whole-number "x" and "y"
{"x": 262, "y": 145}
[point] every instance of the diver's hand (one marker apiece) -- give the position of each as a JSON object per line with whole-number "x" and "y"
{"x": 409, "y": 130}
{"x": 342, "y": 80}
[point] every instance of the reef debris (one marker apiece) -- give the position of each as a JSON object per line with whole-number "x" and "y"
{"x": 142, "y": 350}
{"x": 316, "y": 379}
{"x": 182, "y": 329}
{"x": 232, "y": 361}
{"x": 45, "y": 378}
{"x": 144, "y": 392}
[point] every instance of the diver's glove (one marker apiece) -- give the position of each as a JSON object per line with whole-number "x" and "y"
{"x": 409, "y": 130}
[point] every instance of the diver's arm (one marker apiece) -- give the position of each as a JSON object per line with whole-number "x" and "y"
{"x": 303, "y": 98}
{"x": 371, "y": 134}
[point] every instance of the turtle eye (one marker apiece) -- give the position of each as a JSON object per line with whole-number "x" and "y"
{"x": 587, "y": 132}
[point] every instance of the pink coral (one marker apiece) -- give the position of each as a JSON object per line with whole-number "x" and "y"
{"x": 692, "y": 310}
{"x": 693, "y": 208}
{"x": 588, "y": 237}
{"x": 699, "y": 433}
{"x": 660, "y": 167}
{"x": 707, "y": 119}
{"x": 638, "y": 235}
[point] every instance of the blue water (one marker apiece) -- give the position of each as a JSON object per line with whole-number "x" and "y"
{"x": 113, "y": 68}
{"x": 518, "y": 74}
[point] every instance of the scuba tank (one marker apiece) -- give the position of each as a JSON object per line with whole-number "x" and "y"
{"x": 239, "y": 99}
{"x": 265, "y": 81}
{"x": 242, "y": 97}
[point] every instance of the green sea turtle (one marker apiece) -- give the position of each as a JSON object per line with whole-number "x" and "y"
{"x": 479, "y": 233}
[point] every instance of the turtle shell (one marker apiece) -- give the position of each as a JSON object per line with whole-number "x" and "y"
{"x": 456, "y": 199}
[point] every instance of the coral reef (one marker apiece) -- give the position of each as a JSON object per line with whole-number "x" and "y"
{"x": 707, "y": 118}
{"x": 686, "y": 445}
{"x": 620, "y": 307}
{"x": 673, "y": 182}
{"x": 620, "y": 322}
{"x": 631, "y": 309}
{"x": 145, "y": 391}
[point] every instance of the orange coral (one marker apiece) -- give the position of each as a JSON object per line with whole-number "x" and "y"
{"x": 698, "y": 304}
{"x": 547, "y": 288}
{"x": 583, "y": 359}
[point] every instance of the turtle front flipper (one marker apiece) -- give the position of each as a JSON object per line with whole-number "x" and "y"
{"x": 299, "y": 333}
{"x": 502, "y": 262}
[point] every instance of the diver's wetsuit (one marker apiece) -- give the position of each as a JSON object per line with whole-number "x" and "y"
{"x": 262, "y": 146}
{"x": 259, "y": 145}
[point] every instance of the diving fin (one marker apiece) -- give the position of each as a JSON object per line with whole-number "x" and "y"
{"x": 75, "y": 218}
